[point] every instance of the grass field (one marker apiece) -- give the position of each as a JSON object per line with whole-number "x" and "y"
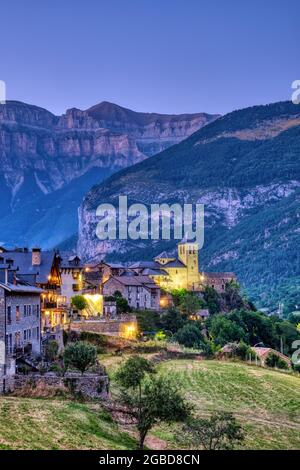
{"x": 266, "y": 402}
{"x": 58, "y": 424}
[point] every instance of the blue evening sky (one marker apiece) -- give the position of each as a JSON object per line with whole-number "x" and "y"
{"x": 169, "y": 56}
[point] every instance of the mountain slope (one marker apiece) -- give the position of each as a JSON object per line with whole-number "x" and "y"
{"x": 245, "y": 169}
{"x": 42, "y": 154}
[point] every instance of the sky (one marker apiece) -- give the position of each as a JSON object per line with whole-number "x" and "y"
{"x": 166, "y": 56}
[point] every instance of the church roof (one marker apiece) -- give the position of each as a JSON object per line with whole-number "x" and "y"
{"x": 164, "y": 255}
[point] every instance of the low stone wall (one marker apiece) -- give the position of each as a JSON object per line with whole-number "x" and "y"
{"x": 89, "y": 385}
{"x": 110, "y": 327}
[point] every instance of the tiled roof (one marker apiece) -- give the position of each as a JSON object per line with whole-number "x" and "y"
{"x": 68, "y": 260}
{"x": 134, "y": 281}
{"x": 165, "y": 255}
{"x": 23, "y": 261}
{"x": 154, "y": 272}
{"x": 20, "y": 288}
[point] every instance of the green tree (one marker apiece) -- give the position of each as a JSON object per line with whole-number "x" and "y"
{"x": 190, "y": 304}
{"x": 80, "y": 355}
{"x": 79, "y": 302}
{"x": 273, "y": 360}
{"x": 149, "y": 400}
{"x": 190, "y": 336}
{"x": 121, "y": 303}
{"x": 172, "y": 320}
{"x": 220, "y": 432}
{"x": 51, "y": 350}
{"x": 223, "y": 330}
{"x": 212, "y": 299}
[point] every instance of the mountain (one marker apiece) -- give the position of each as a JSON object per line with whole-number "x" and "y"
{"x": 48, "y": 162}
{"x": 245, "y": 168}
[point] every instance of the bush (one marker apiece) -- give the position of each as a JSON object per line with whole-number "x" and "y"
{"x": 79, "y": 302}
{"x": 80, "y": 355}
{"x": 100, "y": 341}
{"x": 190, "y": 336}
{"x": 273, "y": 360}
{"x": 51, "y": 350}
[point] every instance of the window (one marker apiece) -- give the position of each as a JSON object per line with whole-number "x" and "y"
{"x": 25, "y": 335}
{"x": 17, "y": 313}
{"x": 9, "y": 315}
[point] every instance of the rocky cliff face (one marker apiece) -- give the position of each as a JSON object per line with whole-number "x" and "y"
{"x": 41, "y": 154}
{"x": 245, "y": 169}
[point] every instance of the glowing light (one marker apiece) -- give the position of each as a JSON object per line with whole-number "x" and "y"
{"x": 128, "y": 331}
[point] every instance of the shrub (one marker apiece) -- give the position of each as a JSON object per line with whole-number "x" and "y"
{"x": 80, "y": 355}
{"x": 51, "y": 350}
{"x": 273, "y": 360}
{"x": 79, "y": 302}
{"x": 100, "y": 341}
{"x": 220, "y": 432}
{"x": 190, "y": 336}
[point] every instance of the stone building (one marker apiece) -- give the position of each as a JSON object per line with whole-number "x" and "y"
{"x": 182, "y": 271}
{"x": 20, "y": 324}
{"x": 141, "y": 292}
{"x": 41, "y": 269}
{"x": 72, "y": 276}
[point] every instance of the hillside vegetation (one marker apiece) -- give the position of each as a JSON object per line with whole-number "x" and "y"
{"x": 245, "y": 169}
{"x": 266, "y": 402}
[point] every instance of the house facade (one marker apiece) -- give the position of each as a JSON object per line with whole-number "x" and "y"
{"x": 20, "y": 325}
{"x": 71, "y": 277}
{"x": 141, "y": 292}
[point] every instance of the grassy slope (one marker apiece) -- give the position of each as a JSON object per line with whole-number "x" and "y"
{"x": 57, "y": 424}
{"x": 266, "y": 402}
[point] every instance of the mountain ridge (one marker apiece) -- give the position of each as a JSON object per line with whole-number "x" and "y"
{"x": 42, "y": 154}
{"x": 236, "y": 178}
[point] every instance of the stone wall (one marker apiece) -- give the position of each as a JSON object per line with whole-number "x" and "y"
{"x": 89, "y": 385}
{"x": 110, "y": 327}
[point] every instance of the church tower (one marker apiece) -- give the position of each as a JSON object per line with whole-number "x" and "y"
{"x": 188, "y": 255}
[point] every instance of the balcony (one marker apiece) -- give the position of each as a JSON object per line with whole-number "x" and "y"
{"x": 49, "y": 305}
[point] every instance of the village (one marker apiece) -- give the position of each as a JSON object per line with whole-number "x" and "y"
{"x": 46, "y": 293}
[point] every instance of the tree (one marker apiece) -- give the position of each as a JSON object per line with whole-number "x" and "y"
{"x": 232, "y": 297}
{"x": 212, "y": 300}
{"x": 51, "y": 350}
{"x": 149, "y": 399}
{"x": 190, "y": 336}
{"x": 220, "y": 432}
{"x": 273, "y": 360}
{"x": 223, "y": 330}
{"x": 121, "y": 303}
{"x": 80, "y": 355}
{"x": 79, "y": 302}
{"x": 172, "y": 320}
{"x": 190, "y": 304}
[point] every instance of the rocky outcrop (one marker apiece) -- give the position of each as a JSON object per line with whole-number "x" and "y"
{"x": 41, "y": 153}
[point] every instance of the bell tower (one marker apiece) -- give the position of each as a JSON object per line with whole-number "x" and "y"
{"x": 188, "y": 255}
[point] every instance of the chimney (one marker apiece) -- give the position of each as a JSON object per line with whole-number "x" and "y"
{"x": 36, "y": 257}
